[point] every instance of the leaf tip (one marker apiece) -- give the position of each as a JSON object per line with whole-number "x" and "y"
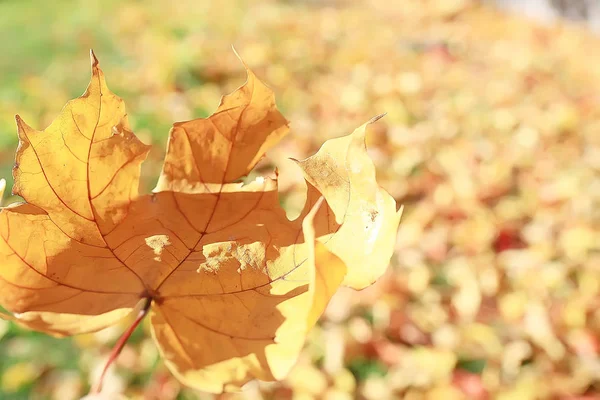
{"x": 93, "y": 59}
{"x": 235, "y": 52}
{"x": 240, "y": 58}
{"x": 21, "y": 125}
{"x": 376, "y": 118}
{"x": 246, "y": 67}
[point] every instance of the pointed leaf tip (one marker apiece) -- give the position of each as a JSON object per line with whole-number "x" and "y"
{"x": 93, "y": 59}
{"x": 21, "y": 124}
{"x": 376, "y": 118}
{"x": 248, "y": 70}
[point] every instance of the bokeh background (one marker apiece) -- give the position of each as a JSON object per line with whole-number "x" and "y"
{"x": 491, "y": 141}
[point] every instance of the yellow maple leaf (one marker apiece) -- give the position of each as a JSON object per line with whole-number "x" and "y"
{"x": 231, "y": 283}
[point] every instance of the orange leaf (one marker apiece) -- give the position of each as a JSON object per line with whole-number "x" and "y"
{"x": 234, "y": 284}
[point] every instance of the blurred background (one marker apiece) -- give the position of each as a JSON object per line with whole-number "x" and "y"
{"x": 491, "y": 141}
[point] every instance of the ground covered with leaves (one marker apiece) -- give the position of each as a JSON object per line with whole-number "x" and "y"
{"x": 490, "y": 141}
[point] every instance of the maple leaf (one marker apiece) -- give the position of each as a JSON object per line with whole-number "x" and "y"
{"x": 231, "y": 283}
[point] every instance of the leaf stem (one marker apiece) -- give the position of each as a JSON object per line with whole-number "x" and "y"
{"x": 116, "y": 350}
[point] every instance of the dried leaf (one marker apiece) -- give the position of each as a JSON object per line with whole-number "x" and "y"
{"x": 234, "y": 284}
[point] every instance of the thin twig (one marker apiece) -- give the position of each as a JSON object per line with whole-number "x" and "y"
{"x": 97, "y": 388}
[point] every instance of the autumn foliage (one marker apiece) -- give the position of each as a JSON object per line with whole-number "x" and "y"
{"x": 231, "y": 283}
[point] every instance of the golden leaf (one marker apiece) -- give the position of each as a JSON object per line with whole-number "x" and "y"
{"x": 234, "y": 284}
